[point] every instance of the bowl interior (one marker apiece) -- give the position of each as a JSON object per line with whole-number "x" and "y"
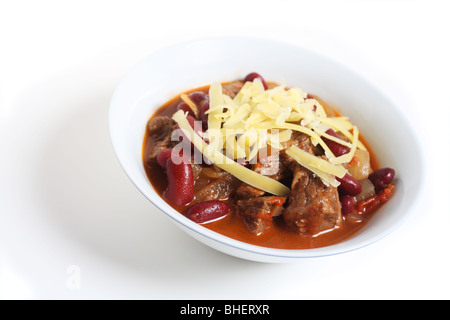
{"x": 188, "y": 65}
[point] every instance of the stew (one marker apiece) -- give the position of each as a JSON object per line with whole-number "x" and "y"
{"x": 265, "y": 164}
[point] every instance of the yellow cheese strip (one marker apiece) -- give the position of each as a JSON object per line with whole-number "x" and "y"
{"x": 338, "y": 123}
{"x": 244, "y": 94}
{"x": 327, "y": 178}
{"x": 237, "y": 117}
{"x": 341, "y": 124}
{"x": 216, "y": 106}
{"x": 276, "y": 139}
{"x": 219, "y": 159}
{"x": 333, "y": 138}
{"x": 299, "y": 128}
{"x": 305, "y": 158}
{"x": 254, "y": 118}
{"x": 233, "y": 149}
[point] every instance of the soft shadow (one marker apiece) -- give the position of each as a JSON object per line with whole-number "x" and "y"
{"x": 88, "y": 198}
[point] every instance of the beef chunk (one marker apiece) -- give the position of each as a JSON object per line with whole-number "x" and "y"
{"x": 159, "y": 126}
{"x": 160, "y": 129}
{"x": 270, "y": 166}
{"x": 312, "y": 206}
{"x": 217, "y": 189}
{"x": 231, "y": 89}
{"x": 299, "y": 140}
{"x": 196, "y": 169}
{"x": 257, "y": 213}
{"x": 246, "y": 191}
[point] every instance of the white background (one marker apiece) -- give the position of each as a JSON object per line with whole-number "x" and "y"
{"x": 73, "y": 226}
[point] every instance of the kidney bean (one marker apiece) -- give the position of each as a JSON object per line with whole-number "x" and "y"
{"x": 204, "y": 106}
{"x": 348, "y": 205}
{"x": 191, "y": 120}
{"x": 180, "y": 177}
{"x": 162, "y": 157}
{"x": 349, "y": 186}
{"x": 197, "y": 96}
{"x": 165, "y": 154}
{"x": 196, "y": 155}
{"x": 194, "y": 125}
{"x": 207, "y": 211}
{"x": 252, "y": 76}
{"x": 243, "y": 162}
{"x": 185, "y": 107}
{"x": 198, "y": 128}
{"x": 381, "y": 178}
{"x": 336, "y": 148}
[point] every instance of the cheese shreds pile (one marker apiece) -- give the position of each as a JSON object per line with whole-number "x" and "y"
{"x": 240, "y": 127}
{"x": 219, "y": 159}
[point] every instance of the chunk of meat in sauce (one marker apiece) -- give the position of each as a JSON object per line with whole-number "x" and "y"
{"x": 161, "y": 129}
{"x": 246, "y": 191}
{"x": 255, "y": 209}
{"x": 257, "y": 213}
{"x": 231, "y": 89}
{"x": 270, "y": 166}
{"x": 196, "y": 169}
{"x": 215, "y": 189}
{"x": 299, "y": 140}
{"x": 312, "y": 206}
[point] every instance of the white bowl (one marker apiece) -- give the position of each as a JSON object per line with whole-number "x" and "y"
{"x": 169, "y": 71}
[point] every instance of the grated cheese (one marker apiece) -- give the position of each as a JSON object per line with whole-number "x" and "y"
{"x": 305, "y": 158}
{"x": 348, "y": 156}
{"x": 327, "y": 178}
{"x": 240, "y": 127}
